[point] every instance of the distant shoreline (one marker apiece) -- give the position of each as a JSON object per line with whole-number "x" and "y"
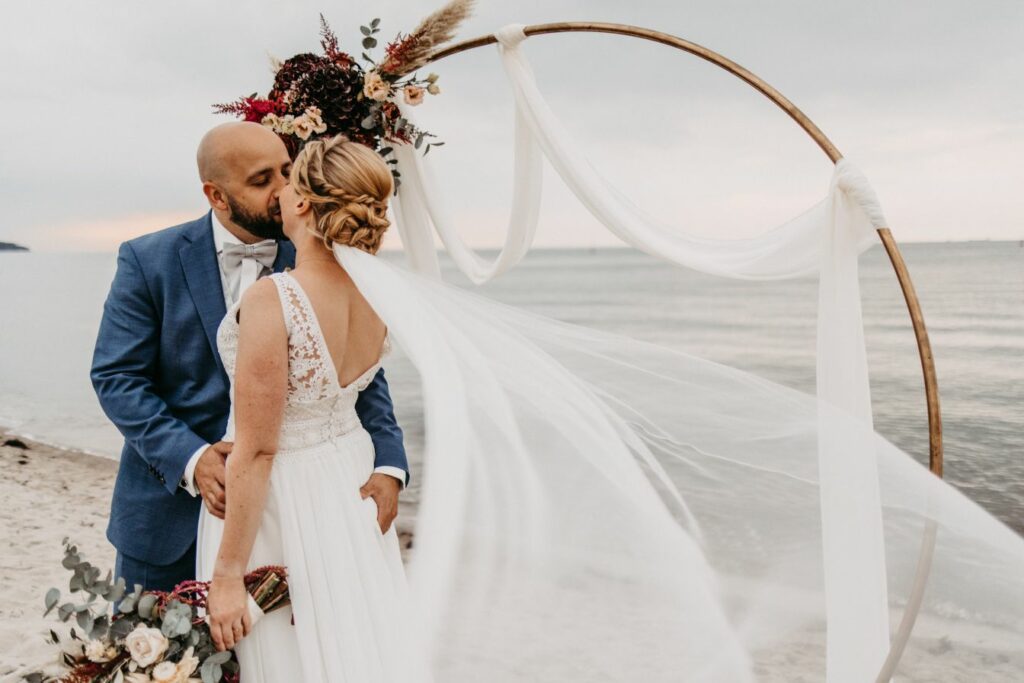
{"x": 441, "y": 251}
{"x": 11, "y": 246}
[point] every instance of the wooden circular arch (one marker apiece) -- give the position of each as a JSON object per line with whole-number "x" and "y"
{"x": 924, "y": 349}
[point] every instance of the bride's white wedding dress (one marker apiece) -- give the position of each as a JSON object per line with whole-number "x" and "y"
{"x": 347, "y": 582}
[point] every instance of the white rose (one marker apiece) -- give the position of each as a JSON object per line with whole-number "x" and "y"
{"x": 146, "y": 645}
{"x": 302, "y": 127}
{"x": 375, "y": 87}
{"x": 271, "y": 121}
{"x": 315, "y": 117}
{"x": 97, "y": 651}
{"x": 413, "y": 95}
{"x": 287, "y": 124}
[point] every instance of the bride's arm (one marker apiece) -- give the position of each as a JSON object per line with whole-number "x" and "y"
{"x": 261, "y": 385}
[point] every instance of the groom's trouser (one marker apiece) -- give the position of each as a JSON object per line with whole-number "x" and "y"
{"x": 153, "y": 576}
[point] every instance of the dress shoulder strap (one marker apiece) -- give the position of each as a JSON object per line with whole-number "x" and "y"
{"x": 289, "y": 299}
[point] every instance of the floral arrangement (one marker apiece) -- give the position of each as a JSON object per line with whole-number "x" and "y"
{"x": 150, "y": 636}
{"x": 316, "y": 96}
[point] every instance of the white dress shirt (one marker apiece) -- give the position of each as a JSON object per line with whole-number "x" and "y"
{"x": 234, "y": 285}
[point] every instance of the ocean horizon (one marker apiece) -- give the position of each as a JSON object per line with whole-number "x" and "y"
{"x": 971, "y": 292}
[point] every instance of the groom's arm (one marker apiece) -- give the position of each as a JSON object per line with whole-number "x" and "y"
{"x": 376, "y": 412}
{"x": 123, "y": 367}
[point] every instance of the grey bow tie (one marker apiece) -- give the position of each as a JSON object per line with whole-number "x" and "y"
{"x": 265, "y": 252}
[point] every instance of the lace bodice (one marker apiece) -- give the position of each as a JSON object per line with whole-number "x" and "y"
{"x": 318, "y": 407}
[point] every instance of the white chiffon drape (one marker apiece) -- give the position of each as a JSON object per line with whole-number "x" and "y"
{"x": 595, "y": 508}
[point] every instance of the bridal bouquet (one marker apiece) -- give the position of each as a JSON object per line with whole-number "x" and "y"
{"x": 151, "y": 636}
{"x": 317, "y": 96}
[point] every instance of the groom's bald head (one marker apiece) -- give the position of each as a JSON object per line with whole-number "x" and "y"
{"x": 244, "y": 166}
{"x": 230, "y": 147}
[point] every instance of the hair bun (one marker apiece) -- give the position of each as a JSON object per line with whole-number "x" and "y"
{"x": 349, "y": 186}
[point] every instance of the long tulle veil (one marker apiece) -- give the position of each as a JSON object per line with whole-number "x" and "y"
{"x": 595, "y": 508}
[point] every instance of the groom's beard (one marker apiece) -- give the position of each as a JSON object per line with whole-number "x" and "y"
{"x": 265, "y": 225}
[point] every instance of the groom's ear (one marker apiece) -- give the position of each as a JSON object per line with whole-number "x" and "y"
{"x": 215, "y": 196}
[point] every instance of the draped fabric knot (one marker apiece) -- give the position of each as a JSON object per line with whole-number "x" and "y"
{"x": 852, "y": 181}
{"x": 510, "y": 35}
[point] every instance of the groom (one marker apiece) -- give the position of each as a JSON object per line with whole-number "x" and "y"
{"x": 159, "y": 377}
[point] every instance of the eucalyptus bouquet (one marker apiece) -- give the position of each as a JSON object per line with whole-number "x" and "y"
{"x": 145, "y": 636}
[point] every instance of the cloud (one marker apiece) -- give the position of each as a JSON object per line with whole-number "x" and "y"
{"x": 105, "y": 101}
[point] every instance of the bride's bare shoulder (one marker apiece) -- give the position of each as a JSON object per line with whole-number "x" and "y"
{"x": 261, "y": 300}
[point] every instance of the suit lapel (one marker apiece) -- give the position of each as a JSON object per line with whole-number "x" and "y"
{"x": 285, "y": 256}
{"x": 202, "y": 275}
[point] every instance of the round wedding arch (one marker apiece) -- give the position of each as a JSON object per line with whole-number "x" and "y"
{"x": 935, "y": 456}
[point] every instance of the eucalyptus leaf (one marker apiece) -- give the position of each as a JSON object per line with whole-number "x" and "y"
{"x": 375, "y": 23}
{"x": 365, "y": 30}
{"x": 86, "y": 621}
{"x": 120, "y": 628}
{"x": 65, "y": 611}
{"x": 116, "y": 591}
{"x": 51, "y": 600}
{"x": 127, "y": 605}
{"x": 146, "y": 604}
{"x": 369, "y": 43}
{"x": 100, "y": 627}
{"x": 369, "y": 122}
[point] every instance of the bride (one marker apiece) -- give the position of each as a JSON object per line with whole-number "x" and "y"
{"x": 299, "y": 347}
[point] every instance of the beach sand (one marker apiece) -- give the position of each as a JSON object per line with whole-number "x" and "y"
{"x": 47, "y": 493}
{"x": 50, "y": 493}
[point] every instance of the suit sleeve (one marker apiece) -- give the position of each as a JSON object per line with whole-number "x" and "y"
{"x": 376, "y": 412}
{"x": 123, "y": 370}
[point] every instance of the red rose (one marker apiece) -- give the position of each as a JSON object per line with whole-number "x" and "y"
{"x": 256, "y": 109}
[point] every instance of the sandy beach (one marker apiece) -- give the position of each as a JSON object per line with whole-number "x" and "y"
{"x": 49, "y": 493}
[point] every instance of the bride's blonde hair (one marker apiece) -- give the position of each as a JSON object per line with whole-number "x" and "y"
{"x": 348, "y": 185}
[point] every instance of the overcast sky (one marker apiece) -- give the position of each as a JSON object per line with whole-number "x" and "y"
{"x": 105, "y": 101}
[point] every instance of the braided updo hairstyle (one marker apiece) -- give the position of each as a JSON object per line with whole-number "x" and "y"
{"x": 348, "y": 185}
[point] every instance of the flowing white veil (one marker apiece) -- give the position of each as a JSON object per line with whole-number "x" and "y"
{"x": 595, "y": 508}
{"x": 598, "y": 508}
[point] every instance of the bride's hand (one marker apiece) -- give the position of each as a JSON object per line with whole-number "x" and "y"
{"x": 227, "y": 608}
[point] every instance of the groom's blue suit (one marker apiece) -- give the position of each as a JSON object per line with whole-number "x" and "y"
{"x": 160, "y": 380}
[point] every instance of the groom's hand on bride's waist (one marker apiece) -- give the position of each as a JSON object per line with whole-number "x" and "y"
{"x": 383, "y": 488}
{"x": 210, "y": 477}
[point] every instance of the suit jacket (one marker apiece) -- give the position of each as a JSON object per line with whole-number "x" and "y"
{"x": 160, "y": 380}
